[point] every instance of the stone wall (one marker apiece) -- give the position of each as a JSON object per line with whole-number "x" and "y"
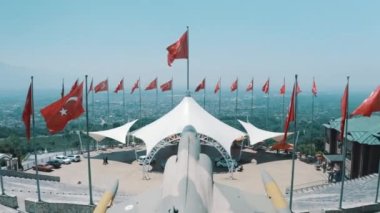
{"x": 10, "y": 201}
{"x": 50, "y": 207}
{"x": 13, "y": 173}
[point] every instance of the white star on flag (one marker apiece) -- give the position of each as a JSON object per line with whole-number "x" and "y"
{"x": 63, "y": 112}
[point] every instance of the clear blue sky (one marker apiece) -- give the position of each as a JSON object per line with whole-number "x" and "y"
{"x": 67, "y": 39}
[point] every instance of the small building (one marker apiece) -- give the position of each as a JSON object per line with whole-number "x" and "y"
{"x": 363, "y": 144}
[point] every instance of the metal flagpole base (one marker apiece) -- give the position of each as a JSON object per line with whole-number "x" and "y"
{"x": 145, "y": 172}
{"x": 2, "y": 185}
{"x": 378, "y": 184}
{"x": 231, "y": 171}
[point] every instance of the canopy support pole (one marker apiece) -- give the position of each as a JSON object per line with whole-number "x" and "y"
{"x": 145, "y": 171}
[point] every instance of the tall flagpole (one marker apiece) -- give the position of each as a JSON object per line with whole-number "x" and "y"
{"x": 343, "y": 169}
{"x": 34, "y": 145}
{"x": 188, "y": 62}
{"x": 378, "y": 184}
{"x": 93, "y": 102}
{"x": 108, "y": 101}
{"x": 266, "y": 117}
{"x": 294, "y": 142}
{"x": 63, "y": 88}
{"x": 312, "y": 119}
{"x": 172, "y": 93}
{"x": 283, "y": 105}
{"x": 139, "y": 98}
{"x": 220, "y": 93}
{"x": 204, "y": 95}
{"x": 236, "y": 99}
{"x": 251, "y": 99}
{"x": 88, "y": 146}
{"x": 123, "y": 100}
{"x": 156, "y": 94}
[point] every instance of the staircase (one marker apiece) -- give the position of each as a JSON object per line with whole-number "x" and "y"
{"x": 357, "y": 192}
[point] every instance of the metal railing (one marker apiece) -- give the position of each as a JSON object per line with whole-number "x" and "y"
{"x": 309, "y": 185}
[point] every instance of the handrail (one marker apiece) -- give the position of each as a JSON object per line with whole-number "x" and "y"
{"x": 311, "y": 184}
{"x": 107, "y": 199}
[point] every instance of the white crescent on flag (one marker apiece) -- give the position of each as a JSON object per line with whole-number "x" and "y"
{"x": 74, "y": 98}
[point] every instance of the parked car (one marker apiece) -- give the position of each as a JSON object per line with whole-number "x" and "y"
{"x": 55, "y": 163}
{"x": 74, "y": 158}
{"x": 222, "y": 163}
{"x": 141, "y": 159}
{"x": 64, "y": 159}
{"x": 43, "y": 168}
{"x": 260, "y": 147}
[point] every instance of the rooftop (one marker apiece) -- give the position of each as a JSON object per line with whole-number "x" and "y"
{"x": 364, "y": 130}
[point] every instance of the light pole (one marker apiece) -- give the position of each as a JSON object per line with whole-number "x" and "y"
{"x": 6, "y": 157}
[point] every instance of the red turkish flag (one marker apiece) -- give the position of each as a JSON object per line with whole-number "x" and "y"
{"x": 298, "y": 89}
{"x": 152, "y": 85}
{"x": 314, "y": 88}
{"x": 291, "y": 113}
{"x": 343, "y": 110}
{"x": 265, "y": 88}
{"x": 201, "y": 85}
{"x": 27, "y": 113}
{"x": 179, "y": 49}
{"x": 282, "y": 146}
{"x": 74, "y": 86}
{"x": 102, "y": 86}
{"x": 250, "y": 86}
{"x": 369, "y": 105}
{"x": 234, "y": 85}
{"x": 166, "y": 86}
{"x": 135, "y": 86}
{"x": 217, "y": 86}
{"x": 91, "y": 86}
{"x": 282, "y": 89}
{"x": 120, "y": 86}
{"x": 59, "y": 113}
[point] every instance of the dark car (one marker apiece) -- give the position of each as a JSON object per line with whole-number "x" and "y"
{"x": 55, "y": 163}
{"x": 43, "y": 168}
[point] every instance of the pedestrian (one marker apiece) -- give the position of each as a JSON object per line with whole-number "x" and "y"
{"x": 106, "y": 160}
{"x": 331, "y": 176}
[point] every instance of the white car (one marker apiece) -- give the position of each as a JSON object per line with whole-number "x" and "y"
{"x": 103, "y": 147}
{"x": 141, "y": 159}
{"x": 74, "y": 158}
{"x": 63, "y": 159}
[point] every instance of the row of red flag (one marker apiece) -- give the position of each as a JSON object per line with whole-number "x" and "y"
{"x": 167, "y": 86}
{"x": 366, "y": 108}
{"x": 70, "y": 107}
{"x": 103, "y": 86}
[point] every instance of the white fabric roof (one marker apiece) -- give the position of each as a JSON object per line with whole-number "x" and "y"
{"x": 257, "y": 135}
{"x": 188, "y": 112}
{"x": 118, "y": 133}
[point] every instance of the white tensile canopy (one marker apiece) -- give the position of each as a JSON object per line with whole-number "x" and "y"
{"x": 118, "y": 133}
{"x": 188, "y": 112}
{"x": 257, "y": 135}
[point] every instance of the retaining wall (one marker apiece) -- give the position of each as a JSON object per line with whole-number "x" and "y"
{"x": 9, "y": 201}
{"x": 50, "y": 207}
{"x": 13, "y": 173}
